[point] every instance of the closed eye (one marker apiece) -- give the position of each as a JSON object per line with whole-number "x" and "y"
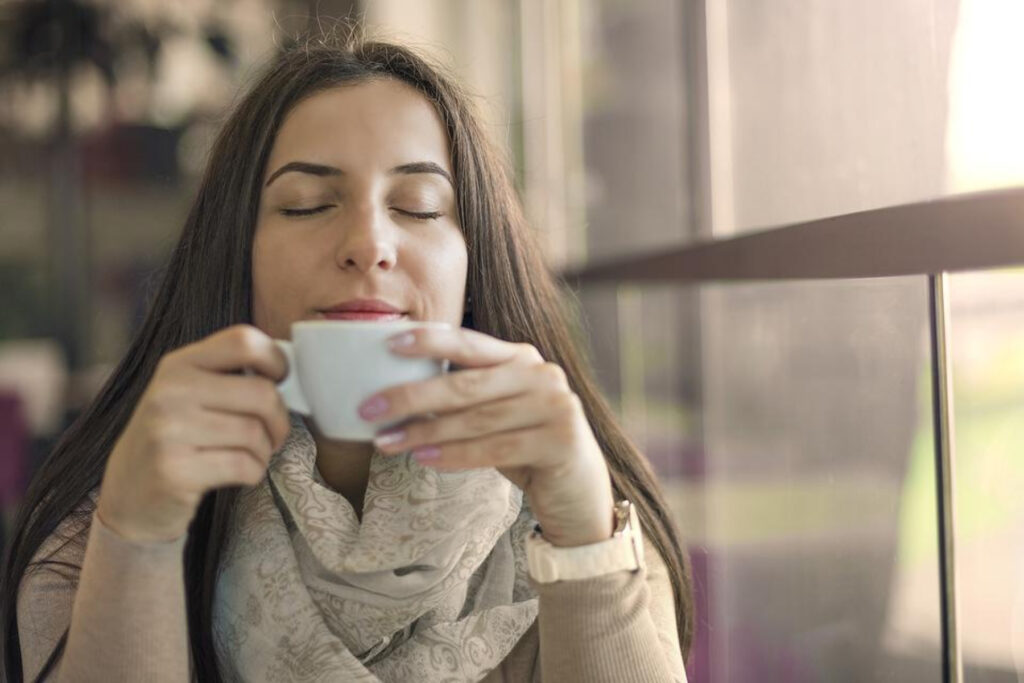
{"x": 421, "y": 215}
{"x": 306, "y": 212}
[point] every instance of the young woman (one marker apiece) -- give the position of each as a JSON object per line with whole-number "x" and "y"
{"x": 187, "y": 526}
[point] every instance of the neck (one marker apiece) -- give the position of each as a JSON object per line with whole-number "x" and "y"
{"x": 344, "y": 465}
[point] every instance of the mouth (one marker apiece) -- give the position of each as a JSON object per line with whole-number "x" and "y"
{"x": 362, "y": 315}
{"x": 364, "y": 309}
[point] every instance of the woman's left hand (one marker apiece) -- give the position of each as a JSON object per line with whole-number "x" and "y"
{"x": 508, "y": 409}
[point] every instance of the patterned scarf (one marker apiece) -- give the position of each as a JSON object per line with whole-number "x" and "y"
{"x": 430, "y": 586}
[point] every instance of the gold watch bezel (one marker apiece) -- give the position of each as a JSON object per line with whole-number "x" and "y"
{"x": 622, "y": 509}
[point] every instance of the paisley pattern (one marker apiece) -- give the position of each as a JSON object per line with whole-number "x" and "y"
{"x": 430, "y": 586}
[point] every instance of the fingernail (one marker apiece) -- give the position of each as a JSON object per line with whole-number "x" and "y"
{"x": 402, "y": 340}
{"x": 373, "y": 407}
{"x": 388, "y": 438}
{"x": 426, "y": 453}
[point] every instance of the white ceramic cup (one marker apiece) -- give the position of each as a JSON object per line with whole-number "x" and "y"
{"x": 334, "y": 365}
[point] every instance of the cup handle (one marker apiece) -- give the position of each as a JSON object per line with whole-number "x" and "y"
{"x": 289, "y": 387}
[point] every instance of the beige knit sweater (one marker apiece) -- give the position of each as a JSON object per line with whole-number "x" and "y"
{"x": 126, "y": 610}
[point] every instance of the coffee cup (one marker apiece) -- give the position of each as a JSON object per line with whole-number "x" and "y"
{"x": 334, "y": 365}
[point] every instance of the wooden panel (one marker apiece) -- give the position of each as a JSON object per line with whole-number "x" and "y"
{"x": 964, "y": 232}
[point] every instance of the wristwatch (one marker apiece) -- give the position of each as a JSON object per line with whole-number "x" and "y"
{"x": 624, "y": 550}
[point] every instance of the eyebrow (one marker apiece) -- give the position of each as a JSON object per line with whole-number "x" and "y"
{"x": 422, "y": 167}
{"x": 323, "y": 170}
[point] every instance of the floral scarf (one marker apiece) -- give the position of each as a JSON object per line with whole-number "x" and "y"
{"x": 430, "y": 586}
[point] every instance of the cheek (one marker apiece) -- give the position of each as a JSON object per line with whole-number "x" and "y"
{"x": 275, "y": 286}
{"x": 442, "y": 273}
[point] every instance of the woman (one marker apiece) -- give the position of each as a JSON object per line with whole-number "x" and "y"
{"x": 353, "y": 176}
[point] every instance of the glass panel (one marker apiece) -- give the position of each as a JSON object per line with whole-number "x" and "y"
{"x": 635, "y": 126}
{"x": 988, "y": 365}
{"x": 984, "y": 141}
{"x": 790, "y": 424}
{"x": 823, "y": 108}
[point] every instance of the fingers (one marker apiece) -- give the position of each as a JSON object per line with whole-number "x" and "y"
{"x": 464, "y": 347}
{"x": 254, "y": 396}
{"x": 463, "y": 389}
{"x": 218, "y": 468}
{"x": 239, "y": 347}
{"x": 509, "y": 414}
{"x": 230, "y": 450}
{"x": 506, "y": 450}
{"x": 217, "y": 431}
{"x": 203, "y": 450}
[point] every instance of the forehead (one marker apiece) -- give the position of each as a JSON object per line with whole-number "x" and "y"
{"x": 382, "y": 122}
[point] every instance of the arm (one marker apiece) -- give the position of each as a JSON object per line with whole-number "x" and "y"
{"x": 125, "y": 609}
{"x": 618, "y": 627}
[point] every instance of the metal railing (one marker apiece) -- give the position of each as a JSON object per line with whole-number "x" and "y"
{"x": 933, "y": 238}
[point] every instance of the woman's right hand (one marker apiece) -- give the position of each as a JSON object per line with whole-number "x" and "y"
{"x": 197, "y": 427}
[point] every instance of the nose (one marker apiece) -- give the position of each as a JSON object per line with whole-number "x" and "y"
{"x": 365, "y": 243}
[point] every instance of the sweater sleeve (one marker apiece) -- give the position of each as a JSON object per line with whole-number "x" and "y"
{"x": 123, "y": 601}
{"x": 618, "y": 627}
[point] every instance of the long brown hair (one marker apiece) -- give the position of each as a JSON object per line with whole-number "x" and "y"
{"x": 207, "y": 285}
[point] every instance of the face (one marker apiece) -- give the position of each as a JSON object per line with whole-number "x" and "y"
{"x": 357, "y": 213}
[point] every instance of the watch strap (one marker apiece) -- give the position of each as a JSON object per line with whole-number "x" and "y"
{"x": 623, "y": 551}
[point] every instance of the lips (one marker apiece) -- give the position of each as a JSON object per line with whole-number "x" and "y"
{"x": 364, "y": 309}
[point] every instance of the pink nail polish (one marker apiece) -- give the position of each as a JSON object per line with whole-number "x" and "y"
{"x": 403, "y": 340}
{"x": 385, "y": 439}
{"x": 373, "y": 407}
{"x": 426, "y": 453}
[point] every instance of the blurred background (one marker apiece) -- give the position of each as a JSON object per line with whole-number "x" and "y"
{"x": 789, "y": 422}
